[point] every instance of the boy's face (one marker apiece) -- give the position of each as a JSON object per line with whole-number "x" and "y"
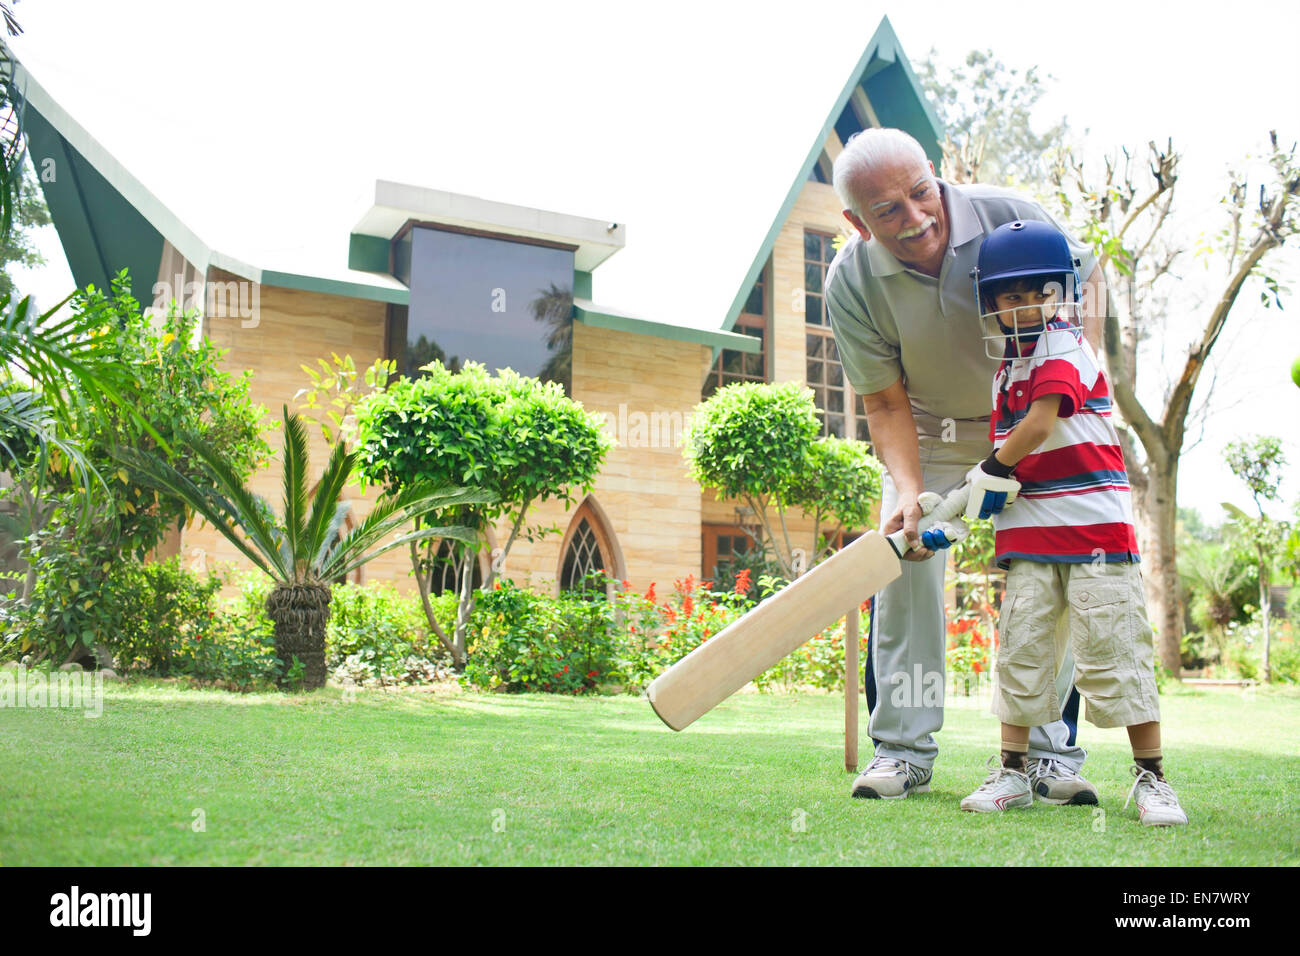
{"x": 1028, "y": 310}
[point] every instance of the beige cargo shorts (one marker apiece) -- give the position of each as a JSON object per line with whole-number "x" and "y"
{"x": 1100, "y": 610}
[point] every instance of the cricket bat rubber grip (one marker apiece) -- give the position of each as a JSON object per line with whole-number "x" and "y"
{"x": 949, "y": 508}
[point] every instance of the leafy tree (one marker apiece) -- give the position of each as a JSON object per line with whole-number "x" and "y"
{"x": 519, "y": 440}
{"x": 752, "y": 441}
{"x": 985, "y": 109}
{"x": 1126, "y": 215}
{"x": 758, "y": 442}
{"x": 302, "y": 549}
{"x": 840, "y": 482}
{"x": 330, "y": 401}
{"x": 18, "y": 248}
{"x": 75, "y": 533}
{"x": 1259, "y": 463}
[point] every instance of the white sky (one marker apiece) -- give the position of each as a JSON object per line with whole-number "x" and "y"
{"x": 684, "y": 120}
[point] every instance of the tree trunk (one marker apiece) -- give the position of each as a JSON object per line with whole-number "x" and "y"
{"x": 1161, "y": 560}
{"x": 300, "y": 613}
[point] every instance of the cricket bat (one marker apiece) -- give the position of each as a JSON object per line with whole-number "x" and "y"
{"x": 780, "y": 624}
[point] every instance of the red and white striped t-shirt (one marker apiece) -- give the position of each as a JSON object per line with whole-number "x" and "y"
{"x": 1074, "y": 503}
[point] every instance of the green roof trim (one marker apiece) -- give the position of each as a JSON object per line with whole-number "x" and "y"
{"x": 368, "y": 253}
{"x": 352, "y": 290}
{"x": 896, "y": 95}
{"x": 581, "y": 284}
{"x": 588, "y": 314}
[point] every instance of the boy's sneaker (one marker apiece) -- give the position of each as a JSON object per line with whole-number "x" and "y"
{"x": 1156, "y": 801}
{"x": 1058, "y": 783}
{"x": 1002, "y": 790}
{"x": 891, "y": 779}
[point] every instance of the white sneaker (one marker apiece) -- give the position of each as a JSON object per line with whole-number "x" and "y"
{"x": 891, "y": 779}
{"x": 1156, "y": 801}
{"x": 1001, "y": 790}
{"x": 1055, "y": 782}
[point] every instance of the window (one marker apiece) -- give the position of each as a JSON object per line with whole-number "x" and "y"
{"x": 582, "y": 557}
{"x": 736, "y": 366}
{"x": 733, "y": 365}
{"x": 447, "y": 568}
{"x": 497, "y": 300}
{"x": 837, "y": 404}
{"x": 721, "y": 545}
{"x": 818, "y": 251}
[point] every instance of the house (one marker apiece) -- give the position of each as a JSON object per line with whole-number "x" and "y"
{"x": 434, "y": 273}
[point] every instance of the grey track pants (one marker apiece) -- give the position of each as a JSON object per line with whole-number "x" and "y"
{"x": 908, "y": 634}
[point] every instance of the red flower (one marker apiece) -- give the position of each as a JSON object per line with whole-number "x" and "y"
{"x": 977, "y": 667}
{"x": 627, "y": 585}
{"x": 650, "y": 595}
{"x": 566, "y": 669}
{"x": 688, "y": 605}
{"x": 592, "y": 673}
{"x": 742, "y": 582}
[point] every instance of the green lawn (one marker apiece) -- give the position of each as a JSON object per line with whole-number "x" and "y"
{"x": 488, "y": 779}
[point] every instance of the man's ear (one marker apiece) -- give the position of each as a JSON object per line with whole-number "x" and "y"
{"x": 856, "y": 222}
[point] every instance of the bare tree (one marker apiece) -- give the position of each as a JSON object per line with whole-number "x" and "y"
{"x": 1126, "y": 215}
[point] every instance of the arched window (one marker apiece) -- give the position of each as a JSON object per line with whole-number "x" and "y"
{"x": 589, "y": 545}
{"x": 447, "y": 568}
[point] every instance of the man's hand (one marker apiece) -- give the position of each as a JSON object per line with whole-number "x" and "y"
{"x": 991, "y": 488}
{"x": 907, "y": 517}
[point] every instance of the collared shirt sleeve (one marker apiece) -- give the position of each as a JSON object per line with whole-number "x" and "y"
{"x": 871, "y": 363}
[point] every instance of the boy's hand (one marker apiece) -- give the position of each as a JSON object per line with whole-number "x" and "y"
{"x": 991, "y": 488}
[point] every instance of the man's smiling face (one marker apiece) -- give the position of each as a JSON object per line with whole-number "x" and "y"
{"x": 903, "y": 209}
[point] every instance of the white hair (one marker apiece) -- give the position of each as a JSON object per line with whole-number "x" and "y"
{"x": 870, "y": 149}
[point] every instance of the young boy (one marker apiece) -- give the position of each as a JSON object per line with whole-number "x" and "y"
{"x": 1067, "y": 541}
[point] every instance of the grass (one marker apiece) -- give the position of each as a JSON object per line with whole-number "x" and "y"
{"x": 461, "y": 778}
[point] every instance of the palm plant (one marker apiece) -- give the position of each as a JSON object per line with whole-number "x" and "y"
{"x": 303, "y": 549}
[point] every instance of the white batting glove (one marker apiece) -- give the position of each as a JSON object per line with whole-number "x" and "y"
{"x": 990, "y": 492}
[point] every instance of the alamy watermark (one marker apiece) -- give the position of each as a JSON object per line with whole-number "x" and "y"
{"x": 20, "y": 687}
{"x": 233, "y": 299}
{"x": 658, "y": 428}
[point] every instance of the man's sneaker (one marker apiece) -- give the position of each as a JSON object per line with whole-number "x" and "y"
{"x": 1055, "y": 782}
{"x": 1001, "y": 790}
{"x": 1156, "y": 801}
{"x": 891, "y": 779}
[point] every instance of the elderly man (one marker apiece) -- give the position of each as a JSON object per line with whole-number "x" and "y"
{"x": 904, "y": 314}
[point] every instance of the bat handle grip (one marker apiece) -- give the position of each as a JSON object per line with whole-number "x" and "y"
{"x": 947, "y": 509}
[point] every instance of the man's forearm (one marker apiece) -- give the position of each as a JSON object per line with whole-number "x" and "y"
{"x": 893, "y": 434}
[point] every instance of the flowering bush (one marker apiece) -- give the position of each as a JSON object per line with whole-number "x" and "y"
{"x": 968, "y": 653}
{"x": 657, "y": 634}
{"x": 522, "y": 641}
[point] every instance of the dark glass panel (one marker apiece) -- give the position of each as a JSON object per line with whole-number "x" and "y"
{"x": 502, "y": 303}
{"x": 812, "y": 278}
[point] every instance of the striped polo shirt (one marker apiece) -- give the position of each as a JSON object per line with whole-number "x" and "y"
{"x": 1074, "y": 503}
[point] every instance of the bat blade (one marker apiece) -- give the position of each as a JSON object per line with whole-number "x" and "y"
{"x": 772, "y": 630}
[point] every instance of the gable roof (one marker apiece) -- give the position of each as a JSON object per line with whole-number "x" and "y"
{"x": 268, "y": 204}
{"x": 881, "y": 84}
